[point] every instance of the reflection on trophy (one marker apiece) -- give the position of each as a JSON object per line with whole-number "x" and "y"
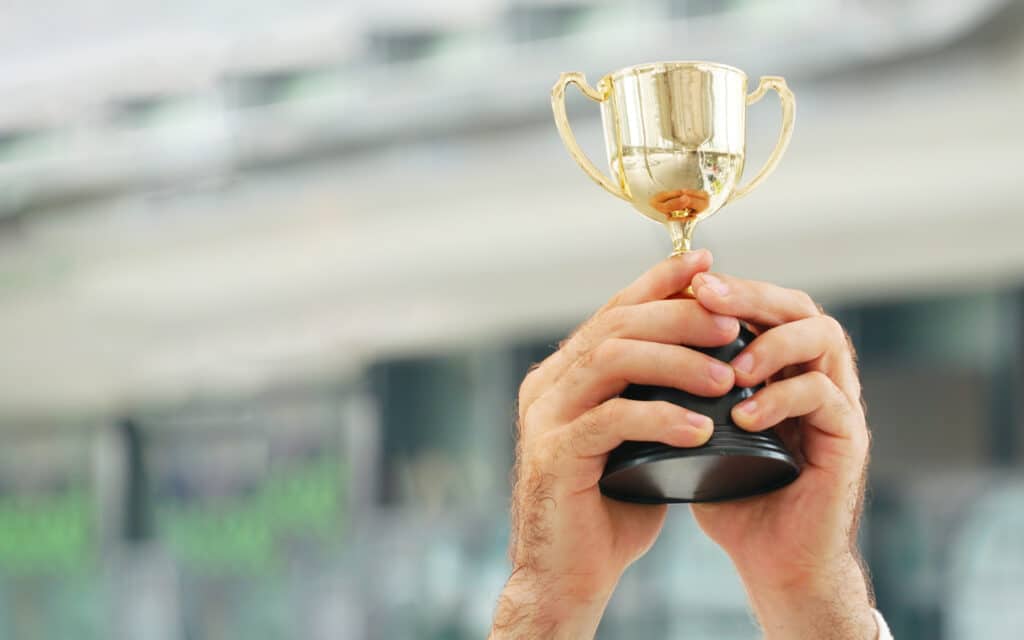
{"x": 675, "y": 133}
{"x": 680, "y": 203}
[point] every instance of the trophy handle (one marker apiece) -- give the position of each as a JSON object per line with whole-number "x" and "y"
{"x": 564, "y": 130}
{"x": 788, "y": 115}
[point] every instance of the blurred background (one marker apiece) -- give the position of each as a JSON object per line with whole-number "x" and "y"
{"x": 270, "y": 273}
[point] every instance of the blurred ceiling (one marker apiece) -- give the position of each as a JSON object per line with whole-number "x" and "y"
{"x": 165, "y": 241}
{"x": 107, "y": 97}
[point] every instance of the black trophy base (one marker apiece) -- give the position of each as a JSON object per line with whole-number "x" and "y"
{"x": 733, "y": 464}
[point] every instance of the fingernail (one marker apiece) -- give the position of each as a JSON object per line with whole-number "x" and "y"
{"x": 713, "y": 283}
{"x": 744, "y": 363}
{"x": 699, "y": 421}
{"x": 720, "y": 372}
{"x": 748, "y": 407}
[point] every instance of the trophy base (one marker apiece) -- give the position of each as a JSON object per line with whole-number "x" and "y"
{"x": 726, "y": 468}
{"x": 733, "y": 464}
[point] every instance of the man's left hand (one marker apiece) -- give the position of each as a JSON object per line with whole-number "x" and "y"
{"x": 795, "y": 548}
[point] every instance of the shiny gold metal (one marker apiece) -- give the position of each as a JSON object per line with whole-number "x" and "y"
{"x": 675, "y": 133}
{"x": 562, "y": 122}
{"x": 778, "y": 84}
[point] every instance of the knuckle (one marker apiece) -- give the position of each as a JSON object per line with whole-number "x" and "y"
{"x": 581, "y": 348}
{"x": 579, "y": 338}
{"x": 604, "y": 354}
{"x": 604, "y": 419}
{"x": 591, "y": 424}
{"x": 805, "y": 301}
{"x": 529, "y": 384}
{"x": 820, "y": 381}
{"x": 545, "y": 454}
{"x": 587, "y": 358}
{"x": 614, "y": 322}
{"x": 531, "y": 416}
{"x": 835, "y": 330}
{"x": 610, "y": 412}
{"x": 590, "y": 430}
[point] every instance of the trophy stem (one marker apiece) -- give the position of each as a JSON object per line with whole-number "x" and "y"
{"x": 681, "y": 231}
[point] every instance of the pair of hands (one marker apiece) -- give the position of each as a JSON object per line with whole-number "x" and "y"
{"x": 794, "y": 548}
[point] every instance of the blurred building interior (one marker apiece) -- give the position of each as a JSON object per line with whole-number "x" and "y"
{"x": 270, "y": 273}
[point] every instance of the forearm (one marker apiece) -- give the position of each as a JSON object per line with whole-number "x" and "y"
{"x": 531, "y": 609}
{"x": 836, "y": 606}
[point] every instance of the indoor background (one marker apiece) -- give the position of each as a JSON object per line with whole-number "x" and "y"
{"x": 270, "y": 273}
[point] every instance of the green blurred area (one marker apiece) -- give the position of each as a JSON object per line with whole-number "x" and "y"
{"x": 248, "y": 534}
{"x": 47, "y": 534}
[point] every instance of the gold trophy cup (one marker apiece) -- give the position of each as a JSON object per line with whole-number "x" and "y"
{"x": 675, "y": 133}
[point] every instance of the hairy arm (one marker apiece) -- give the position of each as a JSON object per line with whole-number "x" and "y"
{"x": 570, "y": 544}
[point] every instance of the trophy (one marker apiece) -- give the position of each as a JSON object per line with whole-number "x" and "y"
{"x": 675, "y": 136}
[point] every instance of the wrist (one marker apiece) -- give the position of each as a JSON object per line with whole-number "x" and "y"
{"x": 532, "y": 606}
{"x": 832, "y": 601}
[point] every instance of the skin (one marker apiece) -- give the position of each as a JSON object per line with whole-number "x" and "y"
{"x": 691, "y": 200}
{"x": 570, "y": 544}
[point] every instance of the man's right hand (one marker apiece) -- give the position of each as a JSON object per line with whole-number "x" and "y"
{"x": 570, "y": 544}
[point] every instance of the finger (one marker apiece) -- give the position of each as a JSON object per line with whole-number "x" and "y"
{"x": 674, "y": 321}
{"x": 686, "y": 202}
{"x": 812, "y": 396}
{"x": 606, "y": 370}
{"x": 664, "y": 279}
{"x": 611, "y": 423}
{"x": 664, "y": 196}
{"x": 577, "y": 451}
{"x": 668, "y": 202}
{"x": 818, "y": 341}
{"x": 697, "y": 200}
{"x": 762, "y": 303}
{"x": 661, "y": 281}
